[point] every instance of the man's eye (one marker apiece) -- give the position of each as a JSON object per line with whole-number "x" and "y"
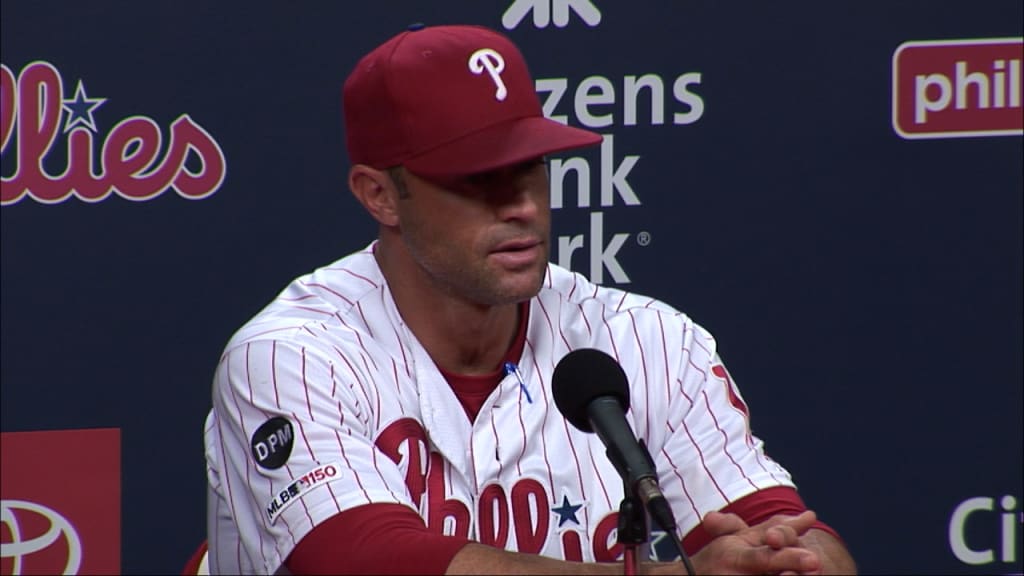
{"x": 530, "y": 164}
{"x": 484, "y": 181}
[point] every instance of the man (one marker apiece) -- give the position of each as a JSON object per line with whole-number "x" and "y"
{"x": 392, "y": 412}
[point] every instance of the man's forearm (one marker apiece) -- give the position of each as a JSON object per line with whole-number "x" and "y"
{"x": 835, "y": 559}
{"x": 726, "y": 553}
{"x": 481, "y": 559}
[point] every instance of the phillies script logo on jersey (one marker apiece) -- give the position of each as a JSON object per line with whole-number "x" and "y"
{"x": 58, "y": 151}
{"x": 525, "y": 510}
{"x": 958, "y": 88}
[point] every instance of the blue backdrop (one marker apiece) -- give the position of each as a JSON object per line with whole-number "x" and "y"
{"x": 866, "y": 288}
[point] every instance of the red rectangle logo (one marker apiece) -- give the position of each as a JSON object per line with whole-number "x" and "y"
{"x": 60, "y": 502}
{"x": 958, "y": 88}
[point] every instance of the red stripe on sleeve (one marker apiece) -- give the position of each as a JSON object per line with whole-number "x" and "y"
{"x": 754, "y": 509}
{"x": 374, "y": 539}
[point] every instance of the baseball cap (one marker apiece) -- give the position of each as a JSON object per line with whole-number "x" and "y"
{"x": 448, "y": 101}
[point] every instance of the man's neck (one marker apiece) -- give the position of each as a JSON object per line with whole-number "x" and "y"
{"x": 461, "y": 337}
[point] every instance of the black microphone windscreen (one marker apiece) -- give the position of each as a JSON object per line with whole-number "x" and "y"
{"x": 582, "y": 376}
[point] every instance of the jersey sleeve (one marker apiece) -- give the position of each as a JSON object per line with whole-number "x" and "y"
{"x": 709, "y": 457}
{"x": 294, "y": 444}
{"x": 362, "y": 541}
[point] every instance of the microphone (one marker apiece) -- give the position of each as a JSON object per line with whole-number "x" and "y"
{"x": 592, "y": 392}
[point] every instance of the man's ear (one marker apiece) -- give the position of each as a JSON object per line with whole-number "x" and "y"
{"x": 376, "y": 192}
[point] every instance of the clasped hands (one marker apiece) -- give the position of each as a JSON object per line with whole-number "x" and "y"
{"x": 771, "y": 547}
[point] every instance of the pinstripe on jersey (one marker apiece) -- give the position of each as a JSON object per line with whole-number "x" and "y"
{"x": 332, "y": 355}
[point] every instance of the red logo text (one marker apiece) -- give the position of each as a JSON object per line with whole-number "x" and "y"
{"x": 132, "y": 160}
{"x": 958, "y": 88}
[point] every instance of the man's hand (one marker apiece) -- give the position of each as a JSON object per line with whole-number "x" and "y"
{"x": 775, "y": 546}
{"x": 772, "y": 547}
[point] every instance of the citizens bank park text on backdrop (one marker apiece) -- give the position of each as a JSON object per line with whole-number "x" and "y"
{"x": 607, "y": 105}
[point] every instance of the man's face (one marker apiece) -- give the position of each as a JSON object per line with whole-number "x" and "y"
{"x": 482, "y": 238}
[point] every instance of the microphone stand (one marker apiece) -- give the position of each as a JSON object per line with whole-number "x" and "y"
{"x": 633, "y": 531}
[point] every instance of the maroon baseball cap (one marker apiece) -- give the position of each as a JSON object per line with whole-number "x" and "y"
{"x": 448, "y": 101}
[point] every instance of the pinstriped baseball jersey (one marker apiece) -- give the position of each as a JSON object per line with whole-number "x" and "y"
{"x": 325, "y": 401}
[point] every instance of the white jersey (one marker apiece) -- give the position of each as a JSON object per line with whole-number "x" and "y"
{"x": 326, "y": 401}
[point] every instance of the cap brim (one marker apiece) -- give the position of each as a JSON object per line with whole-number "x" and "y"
{"x": 500, "y": 145}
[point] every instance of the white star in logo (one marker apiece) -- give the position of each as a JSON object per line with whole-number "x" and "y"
{"x": 80, "y": 110}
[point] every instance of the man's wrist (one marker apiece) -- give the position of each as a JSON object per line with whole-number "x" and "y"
{"x": 662, "y": 568}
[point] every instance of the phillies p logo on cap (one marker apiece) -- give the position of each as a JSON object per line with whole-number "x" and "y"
{"x": 494, "y": 64}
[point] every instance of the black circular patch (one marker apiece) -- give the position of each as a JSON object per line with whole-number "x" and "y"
{"x": 272, "y": 443}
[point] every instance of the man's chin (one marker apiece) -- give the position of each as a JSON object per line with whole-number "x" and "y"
{"x": 515, "y": 292}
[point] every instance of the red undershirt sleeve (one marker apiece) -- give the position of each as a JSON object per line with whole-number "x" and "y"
{"x": 754, "y": 509}
{"x": 374, "y": 539}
